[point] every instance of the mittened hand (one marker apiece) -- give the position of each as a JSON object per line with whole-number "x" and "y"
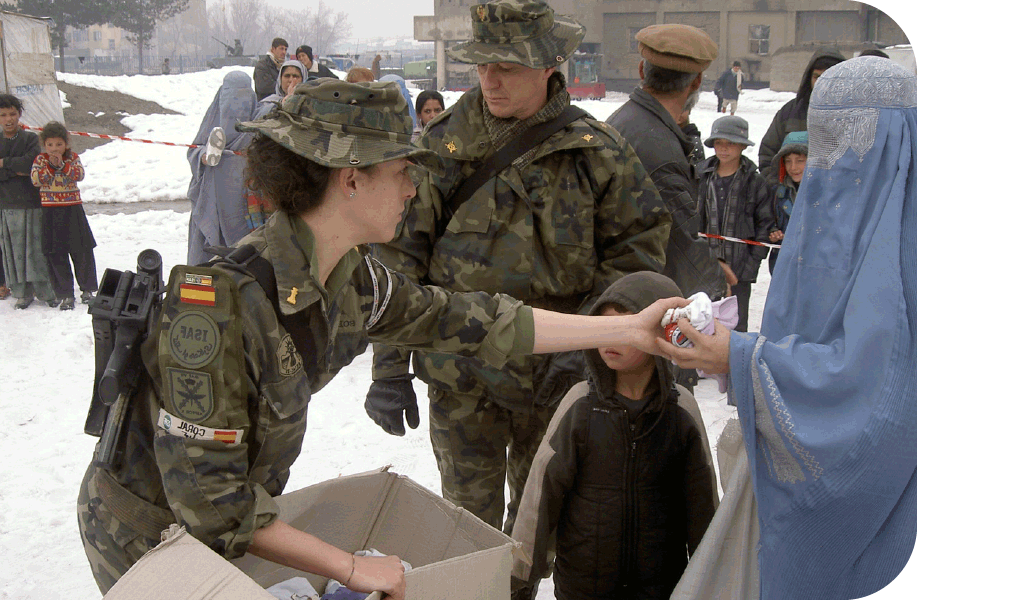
{"x": 387, "y": 400}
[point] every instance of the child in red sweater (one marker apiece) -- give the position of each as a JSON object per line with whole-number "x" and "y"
{"x": 66, "y": 233}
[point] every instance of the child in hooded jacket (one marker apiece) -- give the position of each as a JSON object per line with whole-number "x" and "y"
{"x": 66, "y": 232}
{"x": 786, "y": 173}
{"x": 623, "y": 474}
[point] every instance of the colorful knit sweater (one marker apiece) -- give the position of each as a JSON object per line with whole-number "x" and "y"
{"x": 58, "y": 186}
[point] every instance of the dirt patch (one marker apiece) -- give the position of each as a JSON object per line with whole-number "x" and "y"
{"x": 114, "y": 106}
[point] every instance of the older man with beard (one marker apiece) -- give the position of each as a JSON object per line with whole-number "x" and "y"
{"x": 671, "y": 71}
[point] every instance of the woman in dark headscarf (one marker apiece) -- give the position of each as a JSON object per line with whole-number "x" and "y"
{"x": 826, "y": 394}
{"x": 793, "y": 114}
{"x": 218, "y": 195}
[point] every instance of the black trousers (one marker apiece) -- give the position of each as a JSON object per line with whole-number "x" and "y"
{"x": 60, "y": 272}
{"x": 742, "y": 292}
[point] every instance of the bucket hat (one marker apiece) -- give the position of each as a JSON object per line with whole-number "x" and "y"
{"x": 340, "y": 124}
{"x": 730, "y": 128}
{"x": 521, "y": 32}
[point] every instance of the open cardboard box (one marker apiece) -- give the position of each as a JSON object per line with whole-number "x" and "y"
{"x": 454, "y": 554}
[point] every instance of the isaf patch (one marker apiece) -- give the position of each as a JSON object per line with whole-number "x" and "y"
{"x": 194, "y": 339}
{"x": 288, "y": 356}
{"x": 191, "y": 393}
{"x": 182, "y": 428}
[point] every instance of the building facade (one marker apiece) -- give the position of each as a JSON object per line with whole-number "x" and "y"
{"x": 757, "y": 33}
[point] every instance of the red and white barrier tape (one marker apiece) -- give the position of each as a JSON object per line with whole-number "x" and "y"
{"x": 732, "y": 239}
{"x": 104, "y": 136}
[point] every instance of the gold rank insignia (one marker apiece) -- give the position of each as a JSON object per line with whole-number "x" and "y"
{"x": 451, "y": 147}
{"x": 587, "y": 137}
{"x": 481, "y": 12}
{"x": 295, "y": 292}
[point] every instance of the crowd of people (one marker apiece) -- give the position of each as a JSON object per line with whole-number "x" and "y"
{"x": 518, "y": 256}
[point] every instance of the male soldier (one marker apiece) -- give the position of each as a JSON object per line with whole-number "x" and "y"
{"x": 570, "y": 215}
{"x": 671, "y": 71}
{"x": 268, "y": 67}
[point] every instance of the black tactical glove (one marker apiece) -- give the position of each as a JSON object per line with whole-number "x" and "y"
{"x": 387, "y": 399}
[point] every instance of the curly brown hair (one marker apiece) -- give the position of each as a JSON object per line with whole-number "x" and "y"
{"x": 290, "y": 182}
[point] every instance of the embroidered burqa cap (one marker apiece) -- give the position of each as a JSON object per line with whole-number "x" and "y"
{"x": 514, "y": 31}
{"x": 341, "y": 124}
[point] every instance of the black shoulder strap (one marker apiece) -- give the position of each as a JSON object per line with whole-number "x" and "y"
{"x": 502, "y": 158}
{"x": 245, "y": 258}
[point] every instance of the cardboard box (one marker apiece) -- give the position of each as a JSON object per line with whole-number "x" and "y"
{"x": 453, "y": 553}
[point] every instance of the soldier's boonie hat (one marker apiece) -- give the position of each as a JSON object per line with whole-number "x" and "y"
{"x": 521, "y": 32}
{"x": 677, "y": 47}
{"x": 730, "y": 128}
{"x": 341, "y": 124}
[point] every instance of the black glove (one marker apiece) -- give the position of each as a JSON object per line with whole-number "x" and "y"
{"x": 387, "y": 399}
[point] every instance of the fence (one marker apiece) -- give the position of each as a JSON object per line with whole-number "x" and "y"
{"x": 129, "y": 64}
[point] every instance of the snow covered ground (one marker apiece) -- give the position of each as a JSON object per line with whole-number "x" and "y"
{"x": 47, "y": 359}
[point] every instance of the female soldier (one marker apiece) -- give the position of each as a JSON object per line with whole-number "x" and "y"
{"x": 219, "y": 422}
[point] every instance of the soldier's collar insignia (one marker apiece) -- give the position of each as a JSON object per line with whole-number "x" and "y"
{"x": 481, "y": 12}
{"x": 451, "y": 147}
{"x": 587, "y": 137}
{"x": 291, "y": 299}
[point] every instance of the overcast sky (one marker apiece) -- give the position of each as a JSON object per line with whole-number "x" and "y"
{"x": 372, "y": 18}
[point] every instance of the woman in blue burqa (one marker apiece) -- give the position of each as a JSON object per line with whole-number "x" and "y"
{"x": 219, "y": 197}
{"x": 826, "y": 393}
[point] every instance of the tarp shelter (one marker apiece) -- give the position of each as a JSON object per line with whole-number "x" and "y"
{"x": 26, "y": 67}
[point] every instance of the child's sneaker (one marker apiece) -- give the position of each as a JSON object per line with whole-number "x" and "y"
{"x": 67, "y": 304}
{"x": 24, "y": 303}
{"x": 215, "y": 146}
{"x": 4, "y": 292}
{"x": 86, "y": 297}
{"x": 53, "y": 303}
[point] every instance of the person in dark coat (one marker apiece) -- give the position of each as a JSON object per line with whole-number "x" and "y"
{"x": 729, "y": 84}
{"x": 734, "y": 202}
{"x": 267, "y": 68}
{"x": 671, "y": 71}
{"x": 623, "y": 476}
{"x": 786, "y": 173}
{"x": 304, "y": 54}
{"x": 793, "y": 114}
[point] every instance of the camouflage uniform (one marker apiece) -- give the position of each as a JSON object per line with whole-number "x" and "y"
{"x": 554, "y": 229}
{"x": 216, "y": 426}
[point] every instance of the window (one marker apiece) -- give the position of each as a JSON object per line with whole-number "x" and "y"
{"x": 110, "y": 44}
{"x": 759, "y": 39}
{"x": 97, "y": 35}
{"x": 633, "y": 44}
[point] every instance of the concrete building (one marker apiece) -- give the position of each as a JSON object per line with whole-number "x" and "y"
{"x": 772, "y": 39}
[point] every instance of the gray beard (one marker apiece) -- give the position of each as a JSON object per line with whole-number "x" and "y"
{"x": 691, "y": 101}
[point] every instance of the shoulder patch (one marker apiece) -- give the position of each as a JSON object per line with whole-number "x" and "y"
{"x": 194, "y": 339}
{"x": 191, "y": 393}
{"x": 288, "y": 357}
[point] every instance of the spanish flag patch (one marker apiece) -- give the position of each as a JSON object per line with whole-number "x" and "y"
{"x": 198, "y": 294}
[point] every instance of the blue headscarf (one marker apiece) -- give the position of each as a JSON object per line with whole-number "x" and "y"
{"x": 827, "y": 393}
{"x": 217, "y": 194}
{"x": 405, "y": 92}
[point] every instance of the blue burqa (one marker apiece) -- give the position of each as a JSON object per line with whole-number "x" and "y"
{"x": 827, "y": 392}
{"x": 218, "y": 194}
{"x": 405, "y": 94}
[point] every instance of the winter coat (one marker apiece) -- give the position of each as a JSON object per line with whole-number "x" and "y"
{"x": 783, "y": 187}
{"x": 793, "y": 114}
{"x": 58, "y": 186}
{"x": 748, "y": 216}
{"x": 320, "y": 72}
{"x": 265, "y": 76}
{"x": 727, "y": 83}
{"x": 666, "y": 152}
{"x": 554, "y": 229}
{"x": 18, "y": 154}
{"x": 630, "y": 500}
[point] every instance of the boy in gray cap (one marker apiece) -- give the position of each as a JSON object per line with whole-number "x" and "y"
{"x": 734, "y": 202}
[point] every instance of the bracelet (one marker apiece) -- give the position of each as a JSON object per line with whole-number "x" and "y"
{"x": 352, "y": 572}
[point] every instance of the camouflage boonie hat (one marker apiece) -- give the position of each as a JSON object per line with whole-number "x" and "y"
{"x": 340, "y": 124}
{"x": 514, "y": 31}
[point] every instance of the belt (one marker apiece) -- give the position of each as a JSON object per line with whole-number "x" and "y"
{"x": 146, "y": 518}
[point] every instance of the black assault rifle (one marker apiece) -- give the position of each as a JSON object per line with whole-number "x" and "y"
{"x": 123, "y": 310}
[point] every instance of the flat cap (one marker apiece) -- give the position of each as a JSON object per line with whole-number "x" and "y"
{"x": 677, "y": 47}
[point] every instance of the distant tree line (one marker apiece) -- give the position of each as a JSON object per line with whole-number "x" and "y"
{"x": 255, "y": 23}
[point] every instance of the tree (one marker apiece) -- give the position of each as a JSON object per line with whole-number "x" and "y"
{"x": 66, "y": 13}
{"x": 138, "y": 18}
